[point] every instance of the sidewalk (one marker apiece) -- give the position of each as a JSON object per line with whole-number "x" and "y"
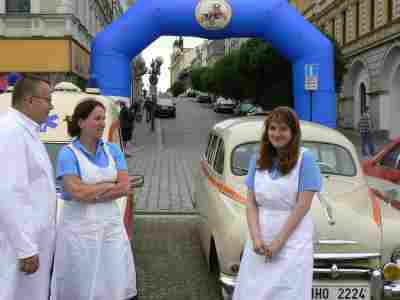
{"x": 167, "y": 177}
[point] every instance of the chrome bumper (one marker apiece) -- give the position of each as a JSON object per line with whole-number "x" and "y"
{"x": 228, "y": 283}
{"x": 379, "y": 289}
{"x": 391, "y": 290}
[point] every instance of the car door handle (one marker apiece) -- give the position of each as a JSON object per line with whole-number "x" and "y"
{"x": 327, "y": 208}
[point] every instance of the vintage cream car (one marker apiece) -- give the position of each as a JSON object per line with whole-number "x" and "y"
{"x": 349, "y": 259}
{"x": 65, "y": 96}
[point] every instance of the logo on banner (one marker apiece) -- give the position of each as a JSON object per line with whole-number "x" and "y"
{"x": 52, "y": 122}
{"x": 213, "y": 14}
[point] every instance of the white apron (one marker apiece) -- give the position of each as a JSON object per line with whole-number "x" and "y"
{"x": 93, "y": 258}
{"x": 289, "y": 274}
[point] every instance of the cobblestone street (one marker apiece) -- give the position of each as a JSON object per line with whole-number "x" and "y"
{"x": 169, "y": 261}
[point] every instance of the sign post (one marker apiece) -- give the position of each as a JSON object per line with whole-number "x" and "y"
{"x": 311, "y": 82}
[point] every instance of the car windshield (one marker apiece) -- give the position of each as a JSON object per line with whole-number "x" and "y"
{"x": 166, "y": 102}
{"x": 332, "y": 159}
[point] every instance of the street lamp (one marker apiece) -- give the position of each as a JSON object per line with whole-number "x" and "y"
{"x": 155, "y": 70}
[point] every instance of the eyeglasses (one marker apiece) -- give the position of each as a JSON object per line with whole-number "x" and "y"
{"x": 48, "y": 100}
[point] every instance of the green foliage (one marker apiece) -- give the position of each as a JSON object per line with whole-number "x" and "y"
{"x": 229, "y": 81}
{"x": 255, "y": 71}
{"x": 177, "y": 88}
{"x": 196, "y": 78}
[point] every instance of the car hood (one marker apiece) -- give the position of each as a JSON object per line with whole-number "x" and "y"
{"x": 342, "y": 217}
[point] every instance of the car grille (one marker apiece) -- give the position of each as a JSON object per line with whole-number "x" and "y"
{"x": 345, "y": 266}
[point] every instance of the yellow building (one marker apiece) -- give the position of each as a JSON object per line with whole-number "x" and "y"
{"x": 52, "y": 37}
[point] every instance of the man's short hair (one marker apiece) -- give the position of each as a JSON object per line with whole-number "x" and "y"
{"x": 25, "y": 87}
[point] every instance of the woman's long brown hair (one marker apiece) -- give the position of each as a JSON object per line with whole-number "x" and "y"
{"x": 287, "y": 158}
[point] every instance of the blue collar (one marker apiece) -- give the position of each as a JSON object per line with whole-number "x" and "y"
{"x": 99, "y": 147}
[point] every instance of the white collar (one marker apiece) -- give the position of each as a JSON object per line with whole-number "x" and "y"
{"x": 31, "y": 125}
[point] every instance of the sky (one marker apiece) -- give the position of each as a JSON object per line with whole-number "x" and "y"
{"x": 163, "y": 47}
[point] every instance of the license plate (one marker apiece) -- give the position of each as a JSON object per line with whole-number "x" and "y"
{"x": 340, "y": 293}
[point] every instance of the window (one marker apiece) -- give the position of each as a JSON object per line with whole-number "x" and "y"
{"x": 357, "y": 20}
{"x": 344, "y": 27}
{"x": 241, "y": 156}
{"x": 219, "y": 158}
{"x": 332, "y": 159}
{"x": 390, "y": 160}
{"x": 372, "y": 15}
{"x": 211, "y": 150}
{"x": 363, "y": 98}
{"x": 18, "y": 6}
{"x": 390, "y": 10}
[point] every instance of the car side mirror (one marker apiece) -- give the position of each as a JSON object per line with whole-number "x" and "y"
{"x": 136, "y": 181}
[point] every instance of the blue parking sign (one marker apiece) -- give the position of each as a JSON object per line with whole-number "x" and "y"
{"x": 311, "y": 77}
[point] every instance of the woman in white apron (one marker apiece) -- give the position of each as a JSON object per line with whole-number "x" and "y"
{"x": 277, "y": 262}
{"x": 93, "y": 259}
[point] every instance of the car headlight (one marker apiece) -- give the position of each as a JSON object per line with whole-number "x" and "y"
{"x": 395, "y": 255}
{"x": 391, "y": 272}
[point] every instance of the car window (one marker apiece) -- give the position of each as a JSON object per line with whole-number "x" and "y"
{"x": 240, "y": 157}
{"x": 219, "y": 158}
{"x": 331, "y": 158}
{"x": 208, "y": 145}
{"x": 391, "y": 158}
{"x": 211, "y": 151}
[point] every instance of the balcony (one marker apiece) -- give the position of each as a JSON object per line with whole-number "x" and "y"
{"x": 45, "y": 26}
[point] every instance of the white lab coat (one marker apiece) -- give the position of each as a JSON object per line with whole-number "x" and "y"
{"x": 27, "y": 208}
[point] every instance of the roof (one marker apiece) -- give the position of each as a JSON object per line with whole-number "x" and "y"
{"x": 64, "y": 104}
{"x": 250, "y": 129}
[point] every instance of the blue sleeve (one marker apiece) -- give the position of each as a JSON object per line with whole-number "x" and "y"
{"x": 249, "y": 181}
{"x": 118, "y": 156}
{"x": 310, "y": 174}
{"x": 67, "y": 163}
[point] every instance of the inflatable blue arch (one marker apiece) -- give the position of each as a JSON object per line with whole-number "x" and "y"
{"x": 276, "y": 21}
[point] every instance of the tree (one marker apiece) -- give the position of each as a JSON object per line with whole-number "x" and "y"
{"x": 196, "y": 78}
{"x": 229, "y": 81}
{"x": 177, "y": 88}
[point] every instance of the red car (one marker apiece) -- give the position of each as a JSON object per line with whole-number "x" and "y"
{"x": 385, "y": 164}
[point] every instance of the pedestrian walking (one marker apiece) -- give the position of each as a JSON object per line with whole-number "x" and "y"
{"x": 365, "y": 128}
{"x": 148, "y": 106}
{"x": 126, "y": 119}
{"x": 93, "y": 259}
{"x": 277, "y": 262}
{"x": 28, "y": 195}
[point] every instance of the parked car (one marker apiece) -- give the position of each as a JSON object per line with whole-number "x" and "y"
{"x": 244, "y": 108}
{"x": 203, "y": 98}
{"x": 165, "y": 108}
{"x": 350, "y": 261}
{"x": 224, "y": 105}
{"x": 385, "y": 164}
{"x": 65, "y": 97}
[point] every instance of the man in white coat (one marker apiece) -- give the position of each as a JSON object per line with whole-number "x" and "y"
{"x": 27, "y": 195}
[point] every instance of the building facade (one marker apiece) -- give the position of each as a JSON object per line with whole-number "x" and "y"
{"x": 368, "y": 32}
{"x": 233, "y": 44}
{"x": 52, "y": 36}
{"x": 215, "y": 51}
